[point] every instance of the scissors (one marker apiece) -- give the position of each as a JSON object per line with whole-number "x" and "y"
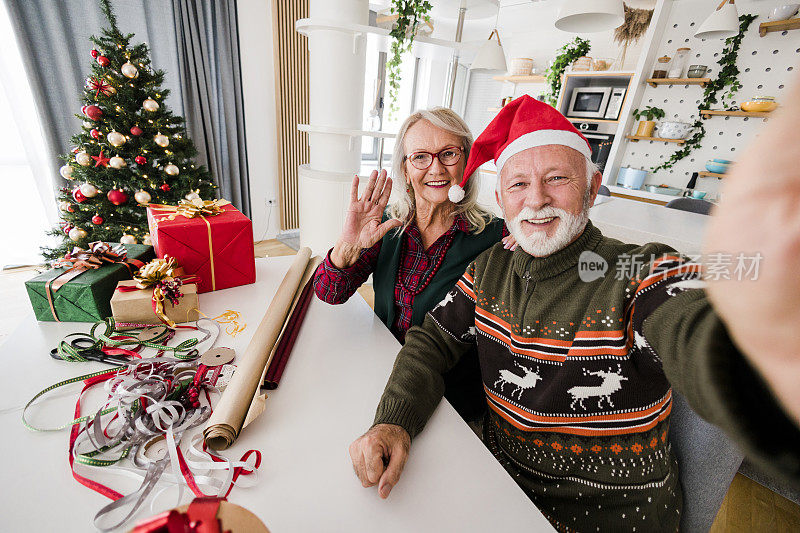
{"x": 86, "y": 348}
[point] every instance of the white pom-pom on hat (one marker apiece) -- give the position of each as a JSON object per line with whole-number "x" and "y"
{"x": 455, "y": 193}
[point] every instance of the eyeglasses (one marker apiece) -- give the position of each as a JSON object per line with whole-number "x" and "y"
{"x": 421, "y": 160}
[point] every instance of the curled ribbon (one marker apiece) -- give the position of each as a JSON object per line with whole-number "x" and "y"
{"x": 79, "y": 261}
{"x": 197, "y": 208}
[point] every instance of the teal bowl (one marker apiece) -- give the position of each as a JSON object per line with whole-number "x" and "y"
{"x": 698, "y": 194}
{"x": 723, "y": 161}
{"x": 716, "y": 168}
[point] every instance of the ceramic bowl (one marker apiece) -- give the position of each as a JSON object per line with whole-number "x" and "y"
{"x": 717, "y": 168}
{"x": 783, "y": 12}
{"x": 759, "y": 106}
{"x": 699, "y": 194}
{"x": 674, "y": 130}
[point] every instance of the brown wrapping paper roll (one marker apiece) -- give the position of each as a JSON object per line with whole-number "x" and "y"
{"x": 229, "y": 415}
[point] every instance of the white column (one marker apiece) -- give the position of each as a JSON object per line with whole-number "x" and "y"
{"x": 337, "y": 58}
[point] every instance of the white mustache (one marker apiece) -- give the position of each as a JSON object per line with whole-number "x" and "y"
{"x": 546, "y": 212}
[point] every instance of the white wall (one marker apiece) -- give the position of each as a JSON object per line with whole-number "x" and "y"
{"x": 258, "y": 86}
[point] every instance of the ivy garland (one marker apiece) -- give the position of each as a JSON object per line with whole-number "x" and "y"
{"x": 410, "y": 13}
{"x": 728, "y": 77}
{"x": 569, "y": 53}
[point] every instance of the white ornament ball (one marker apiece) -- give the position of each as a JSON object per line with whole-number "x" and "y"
{"x": 115, "y": 138}
{"x": 171, "y": 169}
{"x": 66, "y": 172}
{"x": 116, "y": 162}
{"x": 142, "y": 197}
{"x": 192, "y": 196}
{"x": 83, "y": 159}
{"x": 147, "y": 240}
{"x": 64, "y": 206}
{"x": 127, "y": 239}
{"x": 87, "y": 124}
{"x": 129, "y": 71}
{"x": 150, "y": 105}
{"x": 88, "y": 190}
{"x": 77, "y": 234}
{"x": 161, "y": 140}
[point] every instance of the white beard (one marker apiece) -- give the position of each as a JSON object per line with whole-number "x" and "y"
{"x": 538, "y": 244}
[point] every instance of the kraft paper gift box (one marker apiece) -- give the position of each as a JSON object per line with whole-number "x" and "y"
{"x": 217, "y": 249}
{"x": 136, "y": 306}
{"x": 86, "y": 297}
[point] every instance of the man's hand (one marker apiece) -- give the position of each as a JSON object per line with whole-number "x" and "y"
{"x": 760, "y": 214}
{"x": 379, "y": 456}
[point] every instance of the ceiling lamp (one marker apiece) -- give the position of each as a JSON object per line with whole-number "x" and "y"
{"x": 490, "y": 56}
{"x": 720, "y": 24}
{"x": 588, "y": 16}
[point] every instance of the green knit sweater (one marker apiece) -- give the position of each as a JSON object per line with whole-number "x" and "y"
{"x": 577, "y": 377}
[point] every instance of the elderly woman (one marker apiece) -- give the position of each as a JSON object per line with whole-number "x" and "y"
{"x": 433, "y": 241}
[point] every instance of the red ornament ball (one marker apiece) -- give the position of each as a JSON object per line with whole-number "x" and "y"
{"x": 97, "y": 220}
{"x": 140, "y": 160}
{"x": 78, "y": 196}
{"x": 67, "y": 227}
{"x": 103, "y": 61}
{"x": 96, "y": 134}
{"x": 95, "y": 53}
{"x": 165, "y": 187}
{"x": 117, "y": 196}
{"x": 93, "y": 112}
{"x": 136, "y": 130}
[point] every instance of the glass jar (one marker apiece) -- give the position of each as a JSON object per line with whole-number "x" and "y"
{"x": 678, "y": 64}
{"x": 660, "y": 70}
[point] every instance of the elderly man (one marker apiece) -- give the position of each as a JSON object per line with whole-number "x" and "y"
{"x": 579, "y": 346}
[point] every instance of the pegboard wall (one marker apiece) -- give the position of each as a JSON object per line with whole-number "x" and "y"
{"x": 766, "y": 65}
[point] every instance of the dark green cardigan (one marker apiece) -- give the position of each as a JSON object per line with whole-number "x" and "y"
{"x": 464, "y": 248}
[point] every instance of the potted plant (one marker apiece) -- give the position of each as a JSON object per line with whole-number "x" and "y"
{"x": 409, "y": 13}
{"x": 650, "y": 115}
{"x": 567, "y": 55}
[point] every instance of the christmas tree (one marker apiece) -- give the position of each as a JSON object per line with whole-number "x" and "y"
{"x": 131, "y": 151}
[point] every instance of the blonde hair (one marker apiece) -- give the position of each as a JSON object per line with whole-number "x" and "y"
{"x": 403, "y": 207}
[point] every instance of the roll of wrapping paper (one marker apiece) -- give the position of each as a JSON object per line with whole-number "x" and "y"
{"x": 229, "y": 415}
{"x": 288, "y": 338}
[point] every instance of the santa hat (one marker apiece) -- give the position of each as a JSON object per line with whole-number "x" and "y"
{"x": 521, "y": 124}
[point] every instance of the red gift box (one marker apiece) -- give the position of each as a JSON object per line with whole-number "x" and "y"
{"x": 218, "y": 249}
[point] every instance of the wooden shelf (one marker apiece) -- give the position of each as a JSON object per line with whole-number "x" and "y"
{"x": 709, "y": 112}
{"x": 536, "y": 78}
{"x": 779, "y": 25}
{"x": 637, "y": 138}
{"x": 710, "y": 175}
{"x": 702, "y": 82}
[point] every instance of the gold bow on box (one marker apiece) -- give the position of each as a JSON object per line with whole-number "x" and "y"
{"x": 193, "y": 208}
{"x": 165, "y": 277}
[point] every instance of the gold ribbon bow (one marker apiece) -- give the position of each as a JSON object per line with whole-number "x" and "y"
{"x": 152, "y": 275}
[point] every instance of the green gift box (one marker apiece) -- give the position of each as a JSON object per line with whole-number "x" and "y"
{"x": 86, "y": 296}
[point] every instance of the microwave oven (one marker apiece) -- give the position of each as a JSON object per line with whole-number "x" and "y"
{"x": 596, "y": 102}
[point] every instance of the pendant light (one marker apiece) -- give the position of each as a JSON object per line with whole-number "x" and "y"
{"x": 589, "y": 16}
{"x": 722, "y": 23}
{"x": 491, "y": 55}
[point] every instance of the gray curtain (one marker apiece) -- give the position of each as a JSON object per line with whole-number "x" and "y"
{"x": 210, "y": 77}
{"x": 195, "y": 44}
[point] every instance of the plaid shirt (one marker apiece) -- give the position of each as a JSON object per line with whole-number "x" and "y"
{"x": 417, "y": 267}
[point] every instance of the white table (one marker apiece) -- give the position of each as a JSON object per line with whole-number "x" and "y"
{"x": 640, "y": 223}
{"x": 327, "y": 398}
